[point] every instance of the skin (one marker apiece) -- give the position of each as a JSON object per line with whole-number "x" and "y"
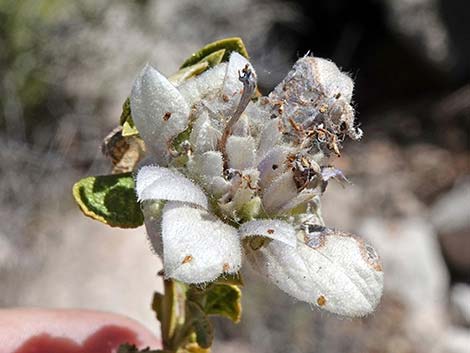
{"x": 69, "y": 331}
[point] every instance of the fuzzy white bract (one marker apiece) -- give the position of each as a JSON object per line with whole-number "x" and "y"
{"x": 232, "y": 175}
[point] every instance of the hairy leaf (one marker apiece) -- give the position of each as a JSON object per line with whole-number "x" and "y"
{"x": 209, "y": 56}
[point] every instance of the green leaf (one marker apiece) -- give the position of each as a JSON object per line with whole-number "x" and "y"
{"x": 229, "y": 44}
{"x": 157, "y": 305}
{"x": 224, "y": 300}
{"x": 214, "y": 58}
{"x": 205, "y": 63}
{"x": 198, "y": 68}
{"x": 188, "y": 72}
{"x": 180, "y": 138}
{"x": 128, "y": 127}
{"x": 201, "y": 325}
{"x": 126, "y": 111}
{"x": 110, "y": 199}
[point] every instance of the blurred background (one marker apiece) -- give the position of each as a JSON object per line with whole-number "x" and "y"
{"x": 66, "y": 68}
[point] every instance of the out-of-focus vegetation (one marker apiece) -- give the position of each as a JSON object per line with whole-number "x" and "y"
{"x": 34, "y": 65}
{"x": 24, "y": 84}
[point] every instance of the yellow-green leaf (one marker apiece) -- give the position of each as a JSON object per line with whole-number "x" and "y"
{"x": 128, "y": 127}
{"x": 110, "y": 199}
{"x": 229, "y": 44}
{"x": 193, "y": 347}
{"x": 224, "y": 300}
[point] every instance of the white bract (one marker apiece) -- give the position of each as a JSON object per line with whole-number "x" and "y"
{"x": 232, "y": 174}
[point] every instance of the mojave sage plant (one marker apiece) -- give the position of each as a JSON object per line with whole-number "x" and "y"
{"x": 221, "y": 175}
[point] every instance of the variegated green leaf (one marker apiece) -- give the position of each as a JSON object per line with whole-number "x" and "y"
{"x": 110, "y": 199}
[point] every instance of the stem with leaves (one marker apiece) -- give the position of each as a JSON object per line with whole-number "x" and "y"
{"x": 184, "y": 310}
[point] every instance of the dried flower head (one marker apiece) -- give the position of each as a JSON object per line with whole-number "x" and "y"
{"x": 230, "y": 173}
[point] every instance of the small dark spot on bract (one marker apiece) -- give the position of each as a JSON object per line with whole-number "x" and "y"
{"x": 270, "y": 231}
{"x": 187, "y": 259}
{"x": 275, "y": 166}
{"x": 167, "y": 116}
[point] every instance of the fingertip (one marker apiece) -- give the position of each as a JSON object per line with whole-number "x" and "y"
{"x": 70, "y": 331}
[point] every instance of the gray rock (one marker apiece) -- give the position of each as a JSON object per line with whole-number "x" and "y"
{"x": 460, "y": 303}
{"x": 451, "y": 216}
{"x": 412, "y": 260}
{"x": 420, "y": 24}
{"x": 414, "y": 272}
{"x": 455, "y": 340}
{"x": 451, "y": 212}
